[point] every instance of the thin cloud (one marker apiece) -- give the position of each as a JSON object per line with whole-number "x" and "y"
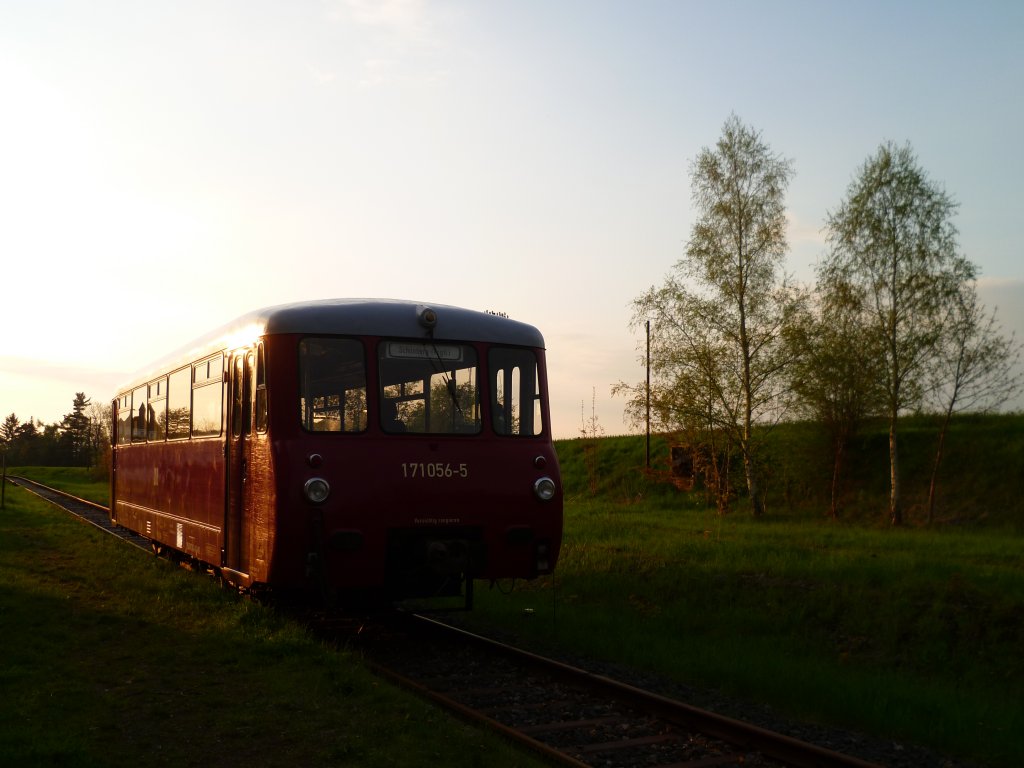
{"x": 397, "y": 43}
{"x": 404, "y": 19}
{"x": 398, "y": 14}
{"x": 799, "y": 231}
{"x": 321, "y": 76}
{"x": 42, "y": 369}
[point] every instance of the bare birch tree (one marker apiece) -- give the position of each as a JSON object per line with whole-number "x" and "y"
{"x": 975, "y": 369}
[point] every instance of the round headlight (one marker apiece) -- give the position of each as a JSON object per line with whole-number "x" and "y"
{"x": 316, "y": 490}
{"x": 544, "y": 488}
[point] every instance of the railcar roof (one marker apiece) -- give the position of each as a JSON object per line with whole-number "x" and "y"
{"x": 371, "y": 317}
{"x": 393, "y": 317}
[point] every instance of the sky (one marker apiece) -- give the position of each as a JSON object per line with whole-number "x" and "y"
{"x": 167, "y": 167}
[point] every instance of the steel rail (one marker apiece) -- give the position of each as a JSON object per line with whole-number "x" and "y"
{"x": 25, "y": 482}
{"x": 778, "y": 746}
{"x": 469, "y": 714}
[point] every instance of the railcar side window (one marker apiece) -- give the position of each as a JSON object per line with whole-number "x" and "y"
{"x": 124, "y": 419}
{"x": 179, "y": 404}
{"x": 332, "y": 385}
{"x": 156, "y": 415}
{"x": 206, "y": 397}
{"x": 139, "y": 409}
{"x": 429, "y": 388}
{"x": 515, "y": 394}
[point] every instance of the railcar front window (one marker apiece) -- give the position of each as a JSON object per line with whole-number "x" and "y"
{"x": 332, "y": 376}
{"x": 428, "y": 388}
{"x": 515, "y": 392}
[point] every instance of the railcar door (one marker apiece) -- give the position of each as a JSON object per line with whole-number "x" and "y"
{"x": 238, "y": 518}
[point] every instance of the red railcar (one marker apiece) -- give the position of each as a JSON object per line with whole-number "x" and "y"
{"x": 347, "y": 446}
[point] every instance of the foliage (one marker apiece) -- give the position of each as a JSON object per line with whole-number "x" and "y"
{"x": 892, "y": 328}
{"x": 716, "y": 347}
{"x": 893, "y": 252}
{"x": 81, "y": 439}
{"x": 76, "y": 433}
{"x": 451, "y": 407}
{"x": 834, "y": 376}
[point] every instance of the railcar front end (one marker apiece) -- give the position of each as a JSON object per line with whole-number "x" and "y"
{"x": 414, "y": 463}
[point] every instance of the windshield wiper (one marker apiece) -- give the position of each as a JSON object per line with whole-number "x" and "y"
{"x": 449, "y": 383}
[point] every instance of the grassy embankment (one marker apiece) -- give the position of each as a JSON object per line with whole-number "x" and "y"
{"x": 913, "y": 634}
{"x": 109, "y": 657}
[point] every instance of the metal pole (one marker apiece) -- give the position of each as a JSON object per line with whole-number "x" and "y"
{"x": 3, "y": 485}
{"x": 648, "y": 394}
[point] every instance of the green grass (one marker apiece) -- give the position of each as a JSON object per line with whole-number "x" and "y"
{"x": 109, "y": 657}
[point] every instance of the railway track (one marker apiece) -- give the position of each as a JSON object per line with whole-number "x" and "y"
{"x": 567, "y": 715}
{"x": 571, "y": 716}
{"x": 91, "y": 512}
